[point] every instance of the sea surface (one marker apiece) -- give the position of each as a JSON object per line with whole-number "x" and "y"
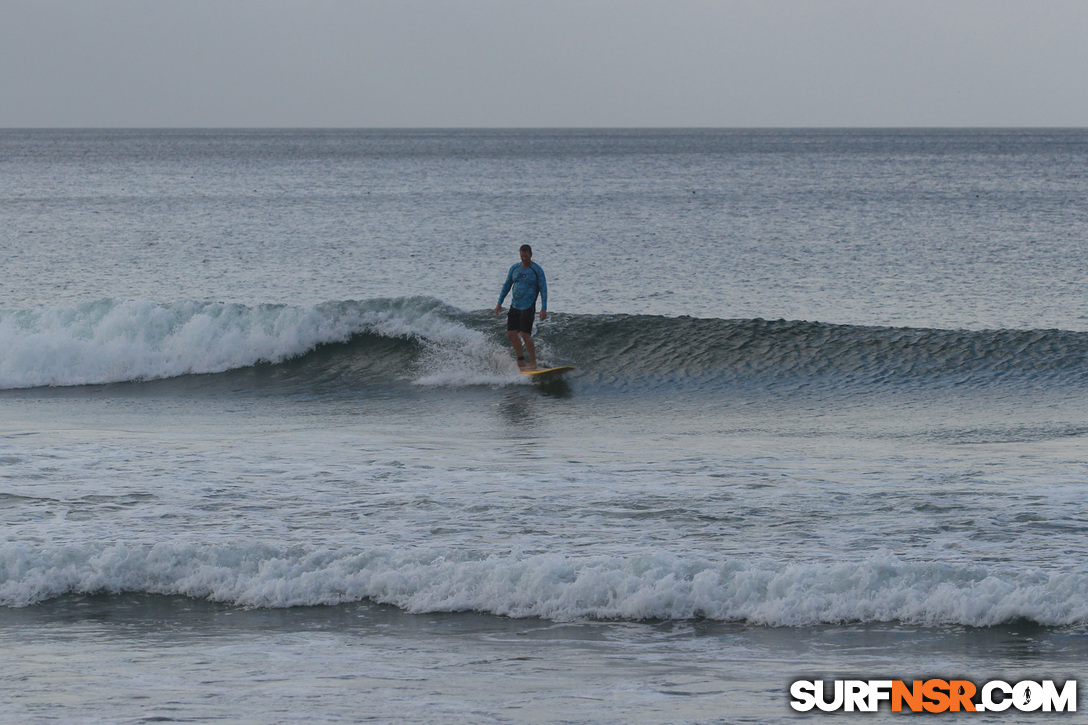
{"x": 266, "y": 457}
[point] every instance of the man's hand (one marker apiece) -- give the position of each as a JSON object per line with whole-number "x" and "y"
{"x": 543, "y": 315}
{"x": 498, "y": 309}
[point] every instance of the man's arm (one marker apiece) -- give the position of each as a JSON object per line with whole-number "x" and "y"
{"x": 505, "y": 289}
{"x": 543, "y": 286}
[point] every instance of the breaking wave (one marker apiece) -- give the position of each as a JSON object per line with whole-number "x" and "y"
{"x": 424, "y": 342}
{"x": 881, "y": 588}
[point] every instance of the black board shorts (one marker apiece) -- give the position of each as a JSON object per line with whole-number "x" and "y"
{"x": 521, "y": 320}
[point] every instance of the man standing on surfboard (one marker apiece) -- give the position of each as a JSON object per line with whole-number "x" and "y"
{"x": 527, "y": 280}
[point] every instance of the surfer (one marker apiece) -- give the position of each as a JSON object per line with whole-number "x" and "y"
{"x": 527, "y": 280}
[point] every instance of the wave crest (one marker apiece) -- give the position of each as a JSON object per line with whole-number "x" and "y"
{"x": 882, "y": 588}
{"x": 421, "y": 339}
{"x": 111, "y": 341}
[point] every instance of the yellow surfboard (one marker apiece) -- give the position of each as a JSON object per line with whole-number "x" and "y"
{"x": 548, "y": 372}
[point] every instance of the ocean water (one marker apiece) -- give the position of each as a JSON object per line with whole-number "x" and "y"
{"x": 265, "y": 455}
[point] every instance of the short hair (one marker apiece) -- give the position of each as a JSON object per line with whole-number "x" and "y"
{"x": 526, "y": 248}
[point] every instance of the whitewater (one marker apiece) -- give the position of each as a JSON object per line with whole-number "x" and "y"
{"x": 266, "y": 456}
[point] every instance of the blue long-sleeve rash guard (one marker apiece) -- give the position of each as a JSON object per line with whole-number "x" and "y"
{"x": 526, "y": 282}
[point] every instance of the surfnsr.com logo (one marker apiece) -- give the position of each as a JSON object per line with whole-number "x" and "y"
{"x": 934, "y": 695}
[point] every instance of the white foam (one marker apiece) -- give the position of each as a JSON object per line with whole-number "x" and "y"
{"x": 465, "y": 357}
{"x": 552, "y": 586}
{"x": 123, "y": 340}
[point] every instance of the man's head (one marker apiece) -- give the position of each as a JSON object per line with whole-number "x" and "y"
{"x": 526, "y": 254}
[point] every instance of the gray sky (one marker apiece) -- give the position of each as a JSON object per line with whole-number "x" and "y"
{"x": 543, "y": 63}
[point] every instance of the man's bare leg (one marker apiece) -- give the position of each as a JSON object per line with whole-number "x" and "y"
{"x": 515, "y": 341}
{"x": 532, "y": 350}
